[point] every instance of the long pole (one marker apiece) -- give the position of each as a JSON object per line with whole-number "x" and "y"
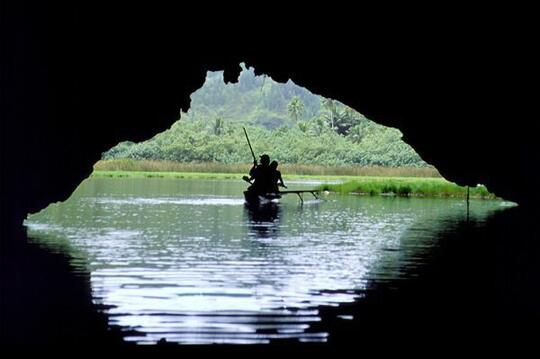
{"x": 249, "y": 143}
{"x": 468, "y": 197}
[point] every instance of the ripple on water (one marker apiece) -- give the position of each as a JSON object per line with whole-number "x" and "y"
{"x": 217, "y": 201}
{"x": 200, "y": 269}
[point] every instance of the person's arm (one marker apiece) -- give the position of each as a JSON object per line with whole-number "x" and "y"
{"x": 280, "y": 179}
{"x": 253, "y": 169}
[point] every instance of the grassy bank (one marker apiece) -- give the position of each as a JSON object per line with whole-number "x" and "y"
{"x": 405, "y": 187}
{"x": 155, "y": 174}
{"x": 289, "y": 169}
{"x": 403, "y": 182}
{"x": 367, "y": 185}
{"x": 212, "y": 175}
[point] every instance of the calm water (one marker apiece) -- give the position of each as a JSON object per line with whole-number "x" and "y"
{"x": 184, "y": 260}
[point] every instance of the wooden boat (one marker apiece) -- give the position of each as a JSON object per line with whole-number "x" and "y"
{"x": 254, "y": 198}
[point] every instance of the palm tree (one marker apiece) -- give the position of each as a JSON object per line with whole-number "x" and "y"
{"x": 330, "y": 116}
{"x": 345, "y": 120}
{"x": 217, "y": 126}
{"x": 303, "y": 126}
{"x": 295, "y": 108}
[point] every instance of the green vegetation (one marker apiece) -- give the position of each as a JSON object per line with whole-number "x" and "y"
{"x": 172, "y": 175}
{"x": 287, "y": 169}
{"x": 312, "y": 137}
{"x": 286, "y": 121}
{"x": 215, "y": 175}
{"x": 405, "y": 187}
{"x": 366, "y": 185}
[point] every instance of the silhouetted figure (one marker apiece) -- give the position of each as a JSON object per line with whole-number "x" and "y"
{"x": 261, "y": 174}
{"x": 276, "y": 179}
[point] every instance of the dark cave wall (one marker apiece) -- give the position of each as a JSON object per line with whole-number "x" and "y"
{"x": 78, "y": 81}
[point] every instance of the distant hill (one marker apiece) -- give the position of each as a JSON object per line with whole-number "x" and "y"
{"x": 286, "y": 120}
{"x": 257, "y": 100}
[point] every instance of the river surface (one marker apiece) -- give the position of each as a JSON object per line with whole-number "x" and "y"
{"x": 187, "y": 262}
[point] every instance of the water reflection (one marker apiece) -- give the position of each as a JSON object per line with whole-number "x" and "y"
{"x": 185, "y": 261}
{"x": 263, "y": 220}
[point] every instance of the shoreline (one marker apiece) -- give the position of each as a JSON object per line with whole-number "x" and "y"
{"x": 234, "y": 175}
{"x": 236, "y": 168}
{"x": 337, "y": 184}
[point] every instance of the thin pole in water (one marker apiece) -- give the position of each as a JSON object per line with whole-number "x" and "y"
{"x": 468, "y": 205}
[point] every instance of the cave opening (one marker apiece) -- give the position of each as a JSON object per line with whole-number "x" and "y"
{"x": 173, "y": 255}
{"x": 458, "y": 89}
{"x": 308, "y": 134}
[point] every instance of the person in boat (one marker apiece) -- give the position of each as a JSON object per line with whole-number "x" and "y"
{"x": 277, "y": 180}
{"x": 261, "y": 174}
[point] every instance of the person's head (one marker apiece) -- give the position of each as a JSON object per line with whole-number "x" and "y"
{"x": 265, "y": 160}
{"x": 273, "y": 165}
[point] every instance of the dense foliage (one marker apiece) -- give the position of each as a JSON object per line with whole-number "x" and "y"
{"x": 405, "y": 187}
{"x": 284, "y": 120}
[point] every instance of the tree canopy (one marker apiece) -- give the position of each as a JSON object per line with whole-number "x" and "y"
{"x": 285, "y": 120}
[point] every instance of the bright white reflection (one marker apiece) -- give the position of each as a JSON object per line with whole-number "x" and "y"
{"x": 202, "y": 269}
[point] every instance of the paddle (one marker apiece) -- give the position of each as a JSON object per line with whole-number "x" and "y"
{"x": 246, "y": 178}
{"x": 251, "y": 148}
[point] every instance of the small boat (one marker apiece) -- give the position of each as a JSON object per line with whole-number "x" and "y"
{"x": 254, "y": 198}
